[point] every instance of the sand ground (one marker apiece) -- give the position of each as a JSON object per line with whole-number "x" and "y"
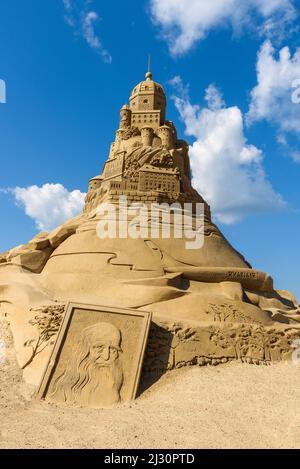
{"x": 229, "y": 406}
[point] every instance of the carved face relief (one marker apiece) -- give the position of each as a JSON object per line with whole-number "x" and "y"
{"x": 97, "y": 358}
{"x": 104, "y": 344}
{"x": 103, "y": 355}
{"x": 95, "y": 375}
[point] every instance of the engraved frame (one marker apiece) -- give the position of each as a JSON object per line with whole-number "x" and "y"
{"x": 53, "y": 362}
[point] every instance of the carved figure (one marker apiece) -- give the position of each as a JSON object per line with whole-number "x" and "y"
{"x": 95, "y": 375}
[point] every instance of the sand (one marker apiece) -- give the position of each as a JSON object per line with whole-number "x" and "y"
{"x": 229, "y": 406}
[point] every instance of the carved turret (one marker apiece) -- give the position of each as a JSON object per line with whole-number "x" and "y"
{"x": 165, "y": 134}
{"x": 147, "y": 134}
{"x": 120, "y": 133}
{"x": 95, "y": 182}
{"x": 125, "y": 114}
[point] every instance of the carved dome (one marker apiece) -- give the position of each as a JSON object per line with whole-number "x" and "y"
{"x": 149, "y": 96}
{"x": 148, "y": 86}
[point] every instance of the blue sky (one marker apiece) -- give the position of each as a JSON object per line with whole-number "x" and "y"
{"x": 69, "y": 66}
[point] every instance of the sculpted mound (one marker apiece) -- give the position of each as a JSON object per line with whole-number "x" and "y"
{"x": 209, "y": 305}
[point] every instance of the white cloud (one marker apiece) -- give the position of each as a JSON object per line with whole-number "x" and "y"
{"x": 213, "y": 97}
{"x": 295, "y": 156}
{"x": 83, "y": 20}
{"x": 49, "y": 205}
{"x": 185, "y": 22}
{"x": 88, "y": 22}
{"x": 227, "y": 171}
{"x": 69, "y": 12}
{"x": 68, "y": 4}
{"x": 278, "y": 85}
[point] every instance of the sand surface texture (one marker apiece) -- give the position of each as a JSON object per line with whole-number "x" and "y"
{"x": 230, "y": 406}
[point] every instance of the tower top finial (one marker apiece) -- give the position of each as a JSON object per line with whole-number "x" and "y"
{"x": 149, "y": 73}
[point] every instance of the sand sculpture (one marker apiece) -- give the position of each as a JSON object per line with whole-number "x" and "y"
{"x": 209, "y": 305}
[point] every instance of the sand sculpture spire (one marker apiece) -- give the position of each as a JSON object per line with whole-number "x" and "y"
{"x": 146, "y": 156}
{"x": 149, "y": 73}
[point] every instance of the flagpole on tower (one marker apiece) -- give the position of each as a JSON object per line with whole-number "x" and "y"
{"x": 149, "y": 73}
